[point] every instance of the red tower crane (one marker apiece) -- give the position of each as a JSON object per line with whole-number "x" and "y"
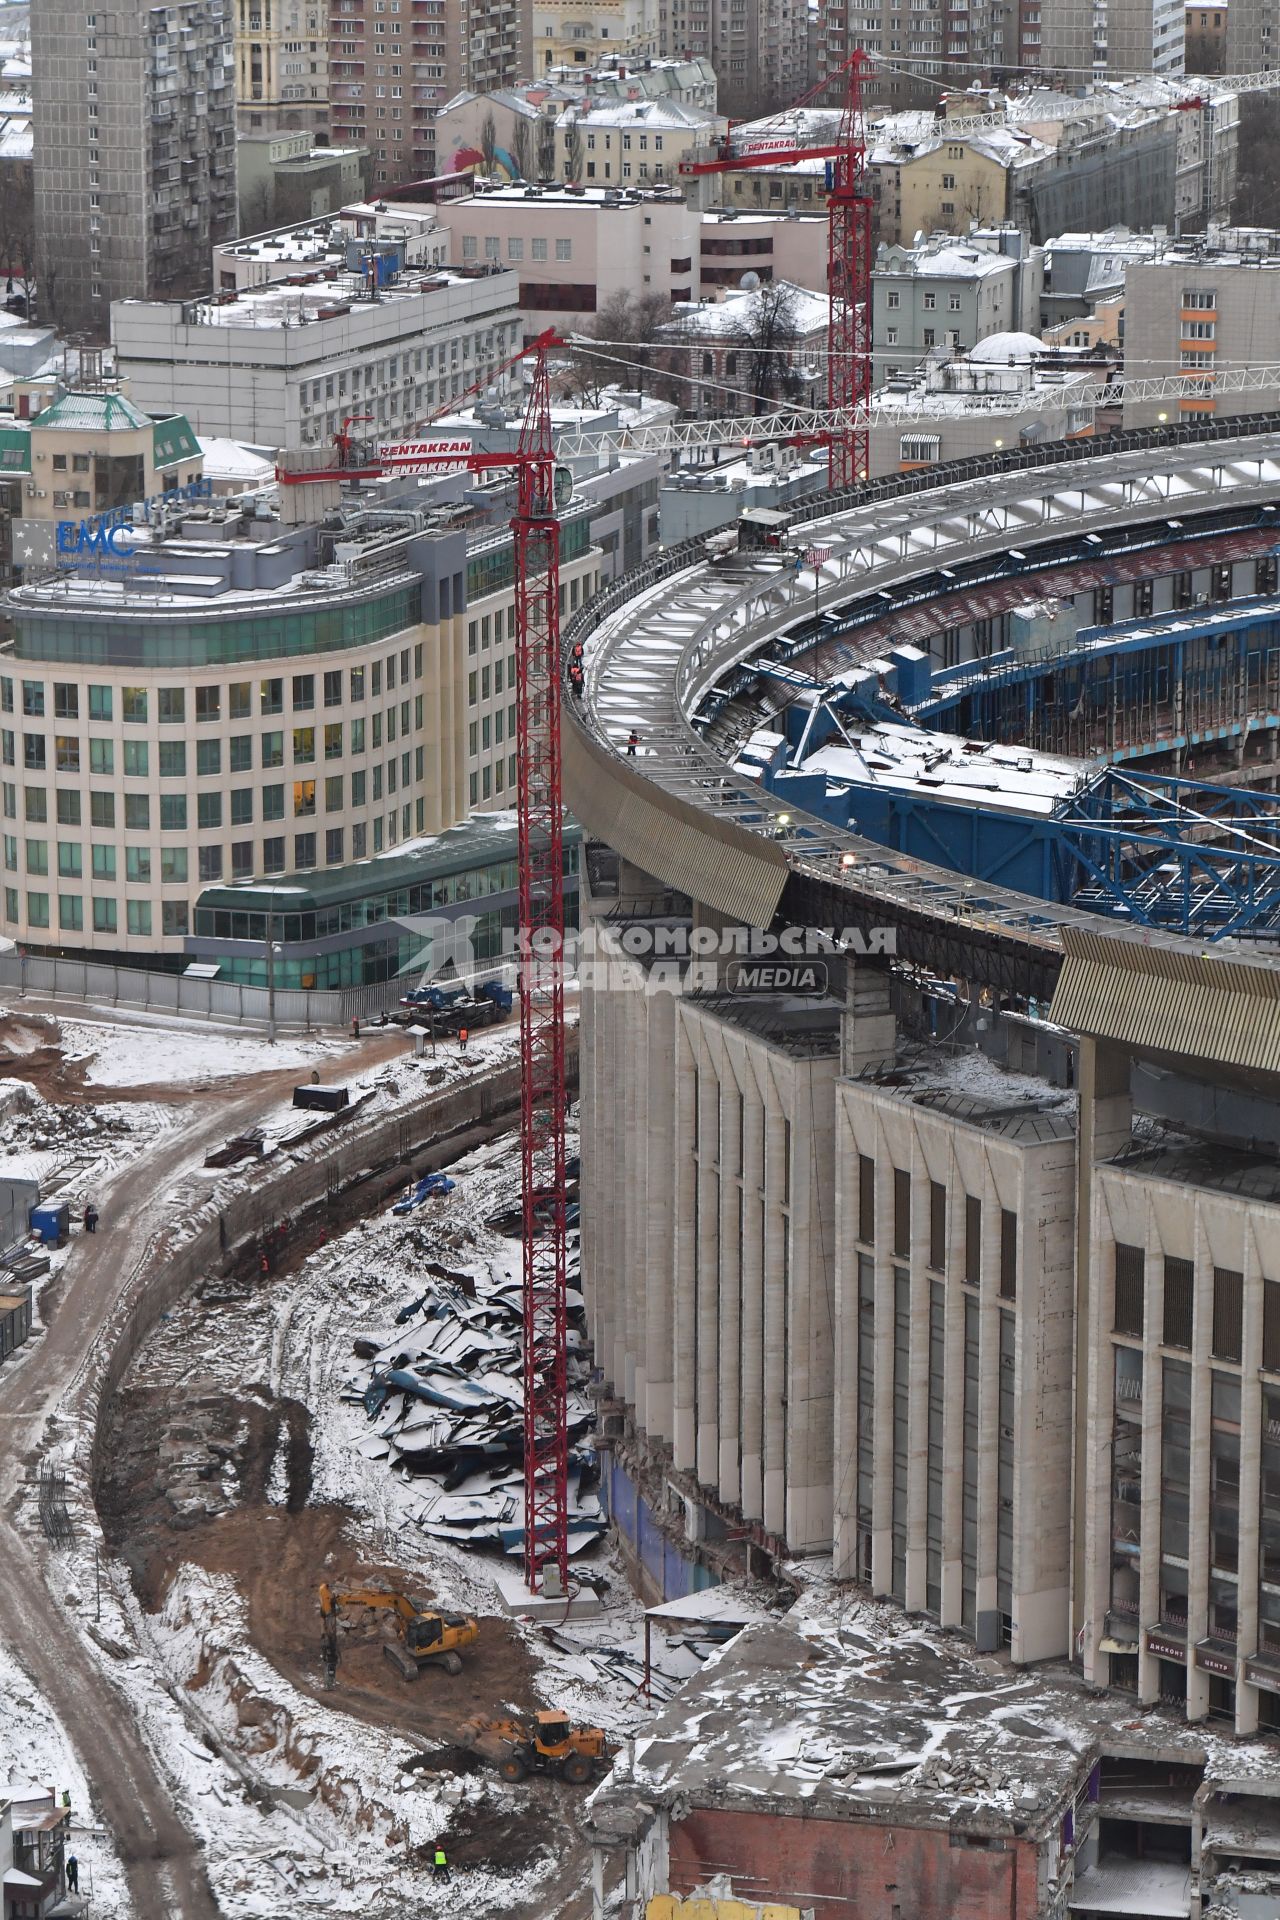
{"x": 541, "y": 957}
{"x": 849, "y": 254}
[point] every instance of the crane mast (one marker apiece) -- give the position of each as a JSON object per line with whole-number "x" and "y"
{"x": 541, "y": 962}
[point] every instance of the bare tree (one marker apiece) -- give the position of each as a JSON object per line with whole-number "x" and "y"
{"x": 546, "y": 147}
{"x": 17, "y": 232}
{"x": 765, "y": 336}
{"x": 573, "y": 151}
{"x": 629, "y": 327}
{"x": 522, "y": 148}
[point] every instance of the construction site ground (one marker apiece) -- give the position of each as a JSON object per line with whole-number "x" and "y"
{"x": 229, "y": 1489}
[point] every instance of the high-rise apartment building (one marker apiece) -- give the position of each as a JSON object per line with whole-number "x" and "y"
{"x": 135, "y": 169}
{"x": 394, "y": 63}
{"x": 282, "y": 65}
{"x": 759, "y": 48}
{"x": 1113, "y": 38}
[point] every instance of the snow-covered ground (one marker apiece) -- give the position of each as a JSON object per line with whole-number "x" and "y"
{"x": 149, "y": 1050}
{"x": 35, "y": 1751}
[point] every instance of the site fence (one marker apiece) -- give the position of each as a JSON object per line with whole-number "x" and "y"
{"x": 95, "y": 983}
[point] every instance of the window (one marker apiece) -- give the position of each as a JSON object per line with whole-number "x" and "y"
{"x": 173, "y": 866}
{"x": 304, "y": 692}
{"x": 866, "y": 1198}
{"x": 937, "y": 1226}
{"x": 208, "y": 703}
{"x": 304, "y": 744}
{"x": 138, "y": 916}
{"x": 304, "y": 798}
{"x": 333, "y": 843}
{"x": 137, "y": 763}
{"x": 1271, "y": 1325}
{"x": 240, "y": 700}
{"x": 273, "y": 856}
{"x": 33, "y": 756}
{"x": 304, "y": 849}
{"x": 172, "y": 702}
{"x": 36, "y": 804}
{"x": 1199, "y": 299}
{"x": 173, "y": 916}
{"x": 1130, "y": 1290}
{"x": 273, "y": 803}
{"x": 104, "y": 916}
{"x": 240, "y": 754}
{"x": 38, "y": 909}
{"x": 273, "y": 749}
{"x": 901, "y": 1213}
{"x": 70, "y": 912}
{"x": 133, "y": 705}
{"x": 137, "y": 865}
{"x": 102, "y": 809}
{"x": 137, "y": 812}
{"x": 70, "y": 860}
{"x": 271, "y": 697}
{"x": 209, "y": 812}
{"x": 66, "y": 753}
{"x": 1008, "y": 1254}
{"x": 333, "y": 688}
{"x": 210, "y": 863}
{"x": 66, "y": 700}
{"x": 564, "y": 249}
{"x": 173, "y": 759}
{"x": 37, "y": 856}
{"x": 357, "y": 683}
{"x": 333, "y": 793}
{"x": 1228, "y": 1313}
{"x": 972, "y": 1240}
{"x": 1179, "y": 1295}
{"x": 33, "y": 698}
{"x": 208, "y": 758}
{"x": 68, "y": 808}
{"x": 104, "y": 863}
{"x": 241, "y": 806}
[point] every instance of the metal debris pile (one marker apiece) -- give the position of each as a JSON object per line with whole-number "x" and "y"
{"x": 442, "y": 1388}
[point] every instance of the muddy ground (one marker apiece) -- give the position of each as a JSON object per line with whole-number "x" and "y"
{"x": 220, "y": 1476}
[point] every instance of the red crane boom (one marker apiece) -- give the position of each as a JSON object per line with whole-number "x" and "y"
{"x": 849, "y": 258}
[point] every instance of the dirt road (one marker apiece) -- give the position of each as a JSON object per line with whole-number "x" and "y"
{"x": 162, "y": 1863}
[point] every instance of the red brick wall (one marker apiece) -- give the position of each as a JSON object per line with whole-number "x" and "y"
{"x": 852, "y": 1870}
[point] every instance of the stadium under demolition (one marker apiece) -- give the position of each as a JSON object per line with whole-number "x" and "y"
{"x": 958, "y": 1260}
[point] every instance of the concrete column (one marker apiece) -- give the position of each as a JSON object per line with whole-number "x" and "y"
{"x": 987, "y": 1610}
{"x": 809, "y": 1386}
{"x": 777, "y": 1230}
{"x": 953, "y": 1411}
{"x": 728, "y": 1475}
{"x": 918, "y": 1391}
{"x": 1201, "y": 1432}
{"x": 868, "y": 1031}
{"x": 1152, "y": 1436}
{"x": 1106, "y": 1119}
{"x": 634, "y": 1269}
{"x": 845, "y": 1389}
{"x": 685, "y": 1302}
{"x": 753, "y": 1361}
{"x": 882, "y": 1491}
{"x": 1250, "y": 1478}
{"x": 708, "y": 1435}
{"x": 654, "y": 1398}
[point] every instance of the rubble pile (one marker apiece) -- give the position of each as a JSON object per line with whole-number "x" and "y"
{"x": 443, "y": 1390}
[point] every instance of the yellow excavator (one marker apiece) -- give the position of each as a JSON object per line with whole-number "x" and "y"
{"x": 428, "y": 1638}
{"x": 545, "y": 1744}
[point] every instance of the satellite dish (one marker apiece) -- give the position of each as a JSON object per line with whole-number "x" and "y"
{"x": 750, "y": 281}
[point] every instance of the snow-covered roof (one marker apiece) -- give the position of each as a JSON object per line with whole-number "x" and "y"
{"x": 944, "y": 766}
{"x": 1008, "y": 347}
{"x": 230, "y": 460}
{"x": 728, "y": 316}
{"x": 944, "y": 260}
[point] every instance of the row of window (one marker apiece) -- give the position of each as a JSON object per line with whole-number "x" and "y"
{"x": 172, "y": 760}
{"x": 171, "y": 702}
{"x": 174, "y": 814}
{"x": 1226, "y": 1334}
{"x": 104, "y": 915}
{"x": 493, "y": 248}
{"x": 971, "y": 1261}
